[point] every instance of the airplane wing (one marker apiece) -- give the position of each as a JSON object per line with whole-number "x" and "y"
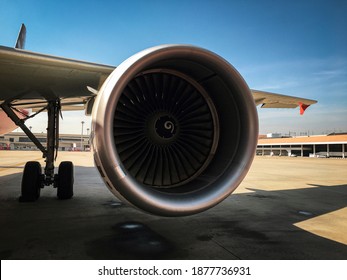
{"x": 29, "y": 79}
{"x": 275, "y": 100}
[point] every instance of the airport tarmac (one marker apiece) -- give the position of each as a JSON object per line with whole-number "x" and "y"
{"x": 286, "y": 208}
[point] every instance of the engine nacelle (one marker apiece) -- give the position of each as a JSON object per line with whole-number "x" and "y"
{"x": 175, "y": 130}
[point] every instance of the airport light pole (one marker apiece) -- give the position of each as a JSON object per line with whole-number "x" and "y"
{"x": 82, "y": 122}
{"x": 88, "y": 136}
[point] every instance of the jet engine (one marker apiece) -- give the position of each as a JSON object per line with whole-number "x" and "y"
{"x": 175, "y": 130}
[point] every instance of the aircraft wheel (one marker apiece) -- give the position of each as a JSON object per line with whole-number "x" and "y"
{"x": 31, "y": 182}
{"x": 65, "y": 180}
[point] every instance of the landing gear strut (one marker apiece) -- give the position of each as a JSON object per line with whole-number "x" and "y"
{"x": 33, "y": 179}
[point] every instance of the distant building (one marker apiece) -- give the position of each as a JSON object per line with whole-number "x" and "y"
{"x": 332, "y": 145}
{"x": 67, "y": 142}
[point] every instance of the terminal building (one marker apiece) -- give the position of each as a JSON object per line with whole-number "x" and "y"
{"x": 332, "y": 145}
{"x": 67, "y": 142}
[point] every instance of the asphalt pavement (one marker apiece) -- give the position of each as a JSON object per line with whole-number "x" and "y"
{"x": 286, "y": 208}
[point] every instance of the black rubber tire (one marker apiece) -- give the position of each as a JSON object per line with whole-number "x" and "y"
{"x": 65, "y": 180}
{"x": 31, "y": 182}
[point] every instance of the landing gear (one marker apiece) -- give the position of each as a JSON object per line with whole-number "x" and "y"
{"x": 31, "y": 182}
{"x": 33, "y": 179}
{"x": 64, "y": 180}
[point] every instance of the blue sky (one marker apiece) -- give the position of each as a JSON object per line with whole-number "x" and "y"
{"x": 289, "y": 47}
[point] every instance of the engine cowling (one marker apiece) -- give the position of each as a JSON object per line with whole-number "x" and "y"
{"x": 175, "y": 130}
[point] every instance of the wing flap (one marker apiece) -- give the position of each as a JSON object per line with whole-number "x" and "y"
{"x": 278, "y": 105}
